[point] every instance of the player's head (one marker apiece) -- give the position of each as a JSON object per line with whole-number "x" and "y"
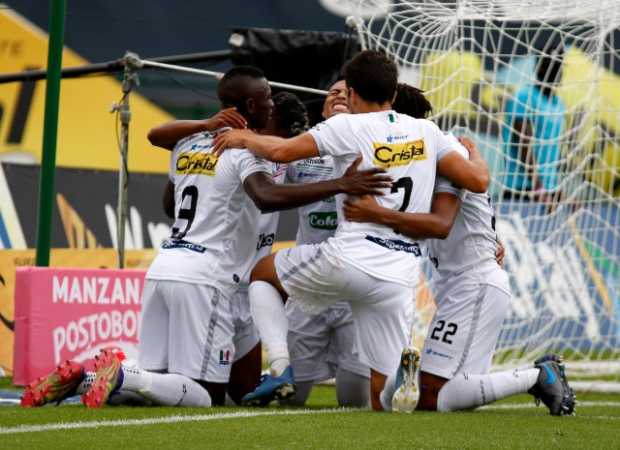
{"x": 246, "y": 88}
{"x": 336, "y": 100}
{"x": 411, "y": 101}
{"x": 371, "y": 79}
{"x": 289, "y": 117}
{"x": 549, "y": 69}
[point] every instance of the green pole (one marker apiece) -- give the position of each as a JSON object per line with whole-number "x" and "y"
{"x": 50, "y": 130}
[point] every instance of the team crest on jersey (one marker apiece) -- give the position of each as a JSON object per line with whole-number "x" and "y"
{"x": 225, "y": 357}
{"x": 398, "y": 154}
{"x": 196, "y": 163}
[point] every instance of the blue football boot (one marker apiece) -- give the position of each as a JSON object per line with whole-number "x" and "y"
{"x": 281, "y": 387}
{"x": 552, "y": 387}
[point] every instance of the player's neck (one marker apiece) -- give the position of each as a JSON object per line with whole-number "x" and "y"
{"x": 370, "y": 107}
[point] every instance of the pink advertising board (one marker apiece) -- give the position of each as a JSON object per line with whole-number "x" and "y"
{"x": 71, "y": 314}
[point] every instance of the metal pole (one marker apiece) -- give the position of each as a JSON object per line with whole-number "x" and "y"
{"x": 219, "y": 75}
{"x": 115, "y": 66}
{"x": 50, "y": 131}
{"x": 130, "y": 79}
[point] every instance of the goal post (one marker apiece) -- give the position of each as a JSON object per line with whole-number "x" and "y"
{"x": 537, "y": 86}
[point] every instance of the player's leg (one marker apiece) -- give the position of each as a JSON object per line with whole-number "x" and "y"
{"x": 308, "y": 343}
{"x": 383, "y": 316}
{"x": 352, "y": 377}
{"x": 464, "y": 382}
{"x": 246, "y": 367}
{"x": 352, "y": 389}
{"x": 199, "y": 324}
{"x": 297, "y": 271}
{"x": 267, "y": 297}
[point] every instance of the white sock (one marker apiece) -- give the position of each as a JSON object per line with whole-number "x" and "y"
{"x": 388, "y": 392}
{"x": 469, "y": 391}
{"x": 165, "y": 389}
{"x": 86, "y": 383}
{"x": 269, "y": 317}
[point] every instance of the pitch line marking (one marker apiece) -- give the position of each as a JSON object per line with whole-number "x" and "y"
{"x": 589, "y": 404}
{"x": 243, "y": 414}
{"x": 165, "y": 420}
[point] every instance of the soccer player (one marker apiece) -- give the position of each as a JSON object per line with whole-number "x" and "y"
{"x": 371, "y": 266}
{"x": 321, "y": 345}
{"x": 188, "y": 313}
{"x": 472, "y": 294}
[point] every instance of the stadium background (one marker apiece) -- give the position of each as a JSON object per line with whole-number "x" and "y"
{"x": 84, "y": 216}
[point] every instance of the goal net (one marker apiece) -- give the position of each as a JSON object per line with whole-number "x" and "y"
{"x": 537, "y": 85}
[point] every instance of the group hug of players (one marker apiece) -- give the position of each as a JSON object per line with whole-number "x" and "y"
{"x": 378, "y": 189}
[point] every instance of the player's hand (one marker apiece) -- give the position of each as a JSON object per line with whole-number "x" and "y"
{"x": 228, "y": 117}
{"x": 500, "y": 252}
{"x": 361, "y": 209}
{"x": 229, "y": 139}
{"x": 364, "y": 182}
{"x": 469, "y": 145}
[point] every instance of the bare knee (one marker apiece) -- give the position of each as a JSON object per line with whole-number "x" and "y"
{"x": 265, "y": 270}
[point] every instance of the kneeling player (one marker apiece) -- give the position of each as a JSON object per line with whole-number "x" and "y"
{"x": 472, "y": 295}
{"x": 188, "y": 317}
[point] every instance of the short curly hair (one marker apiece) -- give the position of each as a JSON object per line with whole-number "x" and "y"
{"x": 290, "y": 113}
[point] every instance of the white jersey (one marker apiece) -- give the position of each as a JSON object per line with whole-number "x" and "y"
{"x": 267, "y": 225}
{"x": 472, "y": 241}
{"x": 408, "y": 149}
{"x": 317, "y": 221}
{"x": 214, "y": 237}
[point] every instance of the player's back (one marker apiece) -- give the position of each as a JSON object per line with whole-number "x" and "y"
{"x": 472, "y": 241}
{"x": 213, "y": 237}
{"x": 317, "y": 221}
{"x": 408, "y": 149}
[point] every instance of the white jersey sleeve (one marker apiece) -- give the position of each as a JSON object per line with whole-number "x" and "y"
{"x": 331, "y": 135}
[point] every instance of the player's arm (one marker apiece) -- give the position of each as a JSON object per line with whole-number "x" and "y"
{"x": 270, "y": 197}
{"x": 272, "y": 148}
{"x": 436, "y": 224}
{"x": 167, "y": 135}
{"x": 472, "y": 174}
{"x": 168, "y": 199}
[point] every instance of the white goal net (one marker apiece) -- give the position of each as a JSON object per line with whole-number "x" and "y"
{"x": 537, "y": 85}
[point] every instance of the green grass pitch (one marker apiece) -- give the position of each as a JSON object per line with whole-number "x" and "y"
{"x": 514, "y": 423}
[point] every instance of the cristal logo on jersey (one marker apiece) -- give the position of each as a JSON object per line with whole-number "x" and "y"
{"x": 398, "y": 154}
{"x": 196, "y": 163}
{"x": 323, "y": 220}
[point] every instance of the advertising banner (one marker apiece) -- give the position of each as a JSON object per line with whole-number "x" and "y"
{"x": 65, "y": 314}
{"x": 10, "y": 260}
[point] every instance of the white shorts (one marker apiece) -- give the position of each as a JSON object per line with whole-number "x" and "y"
{"x": 246, "y": 336}
{"x": 187, "y": 329}
{"x": 464, "y": 330}
{"x": 382, "y": 310}
{"x": 320, "y": 344}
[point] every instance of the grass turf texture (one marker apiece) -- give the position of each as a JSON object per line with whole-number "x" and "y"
{"x": 525, "y": 427}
